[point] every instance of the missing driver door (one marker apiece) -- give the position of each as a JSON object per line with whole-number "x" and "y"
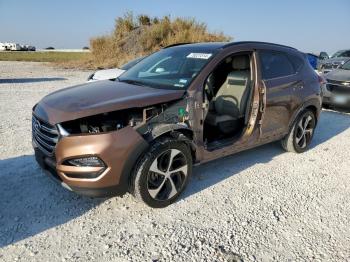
{"x": 240, "y": 87}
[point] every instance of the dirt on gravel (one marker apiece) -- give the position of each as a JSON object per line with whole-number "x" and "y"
{"x": 259, "y": 205}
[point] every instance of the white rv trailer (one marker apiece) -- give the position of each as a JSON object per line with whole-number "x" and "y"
{"x": 14, "y": 47}
{"x": 2, "y": 47}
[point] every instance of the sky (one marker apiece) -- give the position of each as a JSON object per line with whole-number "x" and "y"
{"x": 309, "y": 25}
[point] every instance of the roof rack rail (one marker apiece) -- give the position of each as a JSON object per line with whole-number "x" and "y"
{"x": 177, "y": 44}
{"x": 255, "y": 42}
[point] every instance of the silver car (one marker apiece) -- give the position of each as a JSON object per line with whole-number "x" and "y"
{"x": 336, "y": 60}
{"x": 112, "y": 73}
{"x": 336, "y": 90}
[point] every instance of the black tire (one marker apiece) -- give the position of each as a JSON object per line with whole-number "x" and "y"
{"x": 153, "y": 188}
{"x": 301, "y": 133}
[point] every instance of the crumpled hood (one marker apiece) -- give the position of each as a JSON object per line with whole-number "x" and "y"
{"x": 99, "y": 97}
{"x": 339, "y": 75}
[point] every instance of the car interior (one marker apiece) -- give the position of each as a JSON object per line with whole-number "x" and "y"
{"x": 227, "y": 94}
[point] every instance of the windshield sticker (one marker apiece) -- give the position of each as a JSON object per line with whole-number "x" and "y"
{"x": 199, "y": 55}
{"x": 183, "y": 81}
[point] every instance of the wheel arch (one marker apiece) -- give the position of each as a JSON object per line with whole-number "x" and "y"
{"x": 175, "y": 131}
{"x": 312, "y": 104}
{"x": 178, "y": 131}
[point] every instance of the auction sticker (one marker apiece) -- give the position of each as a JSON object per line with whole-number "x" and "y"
{"x": 199, "y": 55}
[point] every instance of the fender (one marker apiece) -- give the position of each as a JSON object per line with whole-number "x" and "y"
{"x": 315, "y": 102}
{"x": 161, "y": 129}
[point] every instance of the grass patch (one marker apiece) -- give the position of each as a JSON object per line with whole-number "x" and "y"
{"x": 55, "y": 57}
{"x": 132, "y": 37}
{"x": 141, "y": 35}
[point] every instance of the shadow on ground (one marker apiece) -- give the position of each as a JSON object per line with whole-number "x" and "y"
{"x": 30, "y": 80}
{"x": 331, "y": 124}
{"x": 31, "y": 203}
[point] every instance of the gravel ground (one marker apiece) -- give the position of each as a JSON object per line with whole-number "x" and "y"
{"x": 259, "y": 205}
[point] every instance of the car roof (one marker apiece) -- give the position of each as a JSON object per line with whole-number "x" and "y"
{"x": 221, "y": 45}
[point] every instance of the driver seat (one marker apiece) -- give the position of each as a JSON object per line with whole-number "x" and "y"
{"x": 229, "y": 104}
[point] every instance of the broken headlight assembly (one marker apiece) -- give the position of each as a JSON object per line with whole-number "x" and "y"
{"x": 107, "y": 122}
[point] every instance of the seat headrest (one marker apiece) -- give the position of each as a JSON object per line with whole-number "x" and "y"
{"x": 240, "y": 62}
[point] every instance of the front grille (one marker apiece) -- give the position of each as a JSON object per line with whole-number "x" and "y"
{"x": 45, "y": 135}
{"x": 330, "y": 65}
{"x": 338, "y": 89}
{"x": 335, "y": 82}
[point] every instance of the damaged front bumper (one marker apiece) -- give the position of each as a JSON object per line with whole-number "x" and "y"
{"x": 118, "y": 150}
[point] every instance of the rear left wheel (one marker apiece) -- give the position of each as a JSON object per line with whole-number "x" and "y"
{"x": 301, "y": 134}
{"x": 162, "y": 174}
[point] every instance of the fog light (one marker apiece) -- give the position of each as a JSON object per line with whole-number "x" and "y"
{"x": 91, "y": 161}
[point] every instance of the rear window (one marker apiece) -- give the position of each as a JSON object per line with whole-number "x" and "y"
{"x": 346, "y": 54}
{"x": 275, "y": 64}
{"x": 342, "y": 53}
{"x": 298, "y": 62}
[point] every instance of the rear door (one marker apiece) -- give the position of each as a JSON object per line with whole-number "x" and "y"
{"x": 280, "y": 81}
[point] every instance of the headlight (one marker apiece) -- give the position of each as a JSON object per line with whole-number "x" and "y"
{"x": 63, "y": 132}
{"x": 91, "y": 161}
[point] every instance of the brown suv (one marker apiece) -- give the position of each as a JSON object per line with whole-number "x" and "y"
{"x": 186, "y": 104}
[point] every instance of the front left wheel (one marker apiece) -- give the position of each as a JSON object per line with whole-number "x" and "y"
{"x": 162, "y": 173}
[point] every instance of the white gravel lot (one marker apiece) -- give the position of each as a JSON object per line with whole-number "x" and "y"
{"x": 259, "y": 205}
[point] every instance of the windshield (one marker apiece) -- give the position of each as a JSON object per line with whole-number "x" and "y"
{"x": 131, "y": 63}
{"x": 342, "y": 53}
{"x": 346, "y": 66}
{"x": 170, "y": 68}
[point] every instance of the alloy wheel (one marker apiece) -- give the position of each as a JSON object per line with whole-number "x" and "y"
{"x": 167, "y": 175}
{"x": 304, "y": 131}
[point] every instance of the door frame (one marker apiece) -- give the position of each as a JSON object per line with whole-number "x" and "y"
{"x": 251, "y": 135}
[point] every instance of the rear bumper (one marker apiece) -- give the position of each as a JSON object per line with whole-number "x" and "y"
{"x": 119, "y": 150}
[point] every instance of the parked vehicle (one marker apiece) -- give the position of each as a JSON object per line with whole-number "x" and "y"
{"x": 336, "y": 60}
{"x": 183, "y": 105}
{"x": 323, "y": 55}
{"x": 113, "y": 73}
{"x": 13, "y": 47}
{"x": 27, "y": 48}
{"x": 336, "y": 90}
{"x": 3, "y": 47}
{"x": 313, "y": 60}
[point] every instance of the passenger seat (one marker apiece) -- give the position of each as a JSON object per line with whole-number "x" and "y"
{"x": 231, "y": 99}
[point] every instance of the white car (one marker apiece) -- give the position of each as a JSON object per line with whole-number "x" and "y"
{"x": 113, "y": 73}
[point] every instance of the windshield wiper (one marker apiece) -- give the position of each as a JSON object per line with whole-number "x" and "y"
{"x": 130, "y": 81}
